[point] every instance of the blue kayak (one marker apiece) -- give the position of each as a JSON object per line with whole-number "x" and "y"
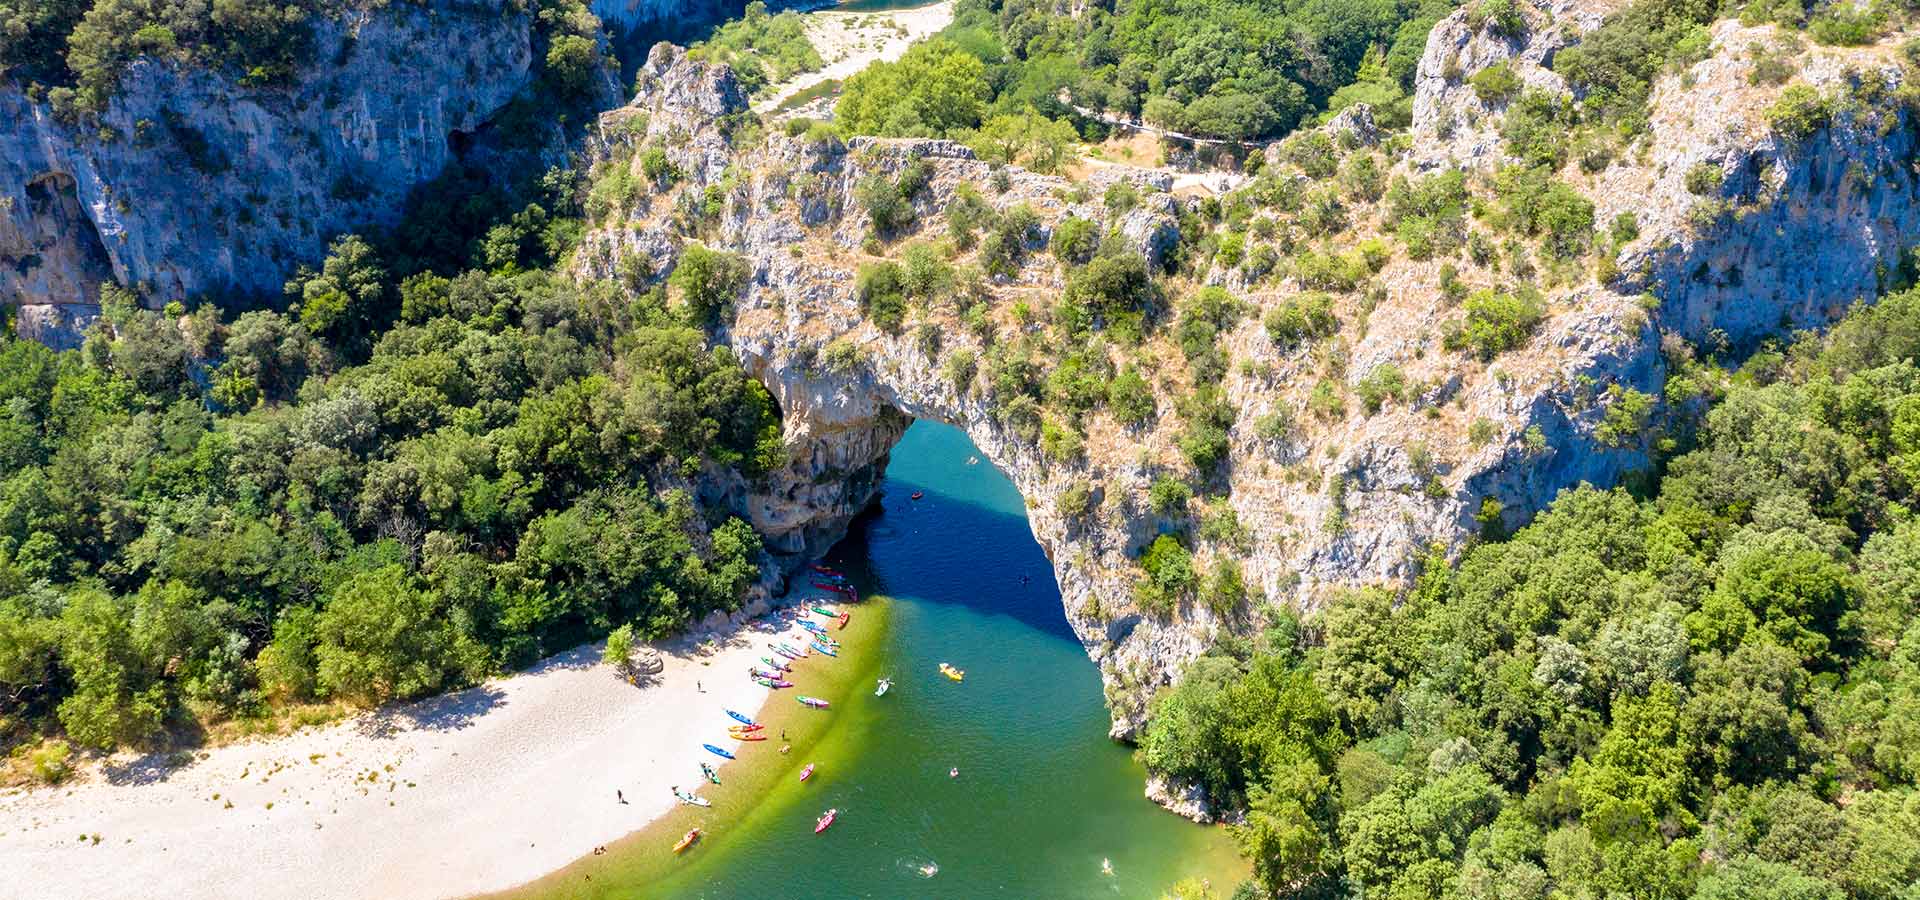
{"x": 737, "y": 718}
{"x": 816, "y": 629}
{"x": 717, "y": 751}
{"x": 825, "y": 649}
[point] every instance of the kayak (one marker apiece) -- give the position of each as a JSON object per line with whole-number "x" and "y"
{"x": 787, "y": 651}
{"x": 807, "y": 772}
{"x": 844, "y": 619}
{"x": 880, "y": 690}
{"x": 717, "y": 751}
{"x": 747, "y": 736}
{"x": 836, "y": 588}
{"x": 825, "y": 649}
{"x": 754, "y": 727}
{"x": 825, "y": 820}
{"x": 708, "y": 771}
{"x": 769, "y": 683}
{"x": 952, "y": 672}
{"x": 761, "y": 673}
{"x": 805, "y": 700}
{"x": 823, "y": 570}
{"x": 778, "y": 666}
{"x": 814, "y": 627}
{"x": 687, "y": 841}
{"x": 690, "y": 799}
{"x": 738, "y": 717}
{"x": 918, "y": 494}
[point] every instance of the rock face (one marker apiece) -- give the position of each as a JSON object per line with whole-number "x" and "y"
{"x": 1794, "y": 232}
{"x": 191, "y": 183}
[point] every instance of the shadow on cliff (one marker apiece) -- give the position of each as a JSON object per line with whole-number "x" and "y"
{"x": 960, "y": 552}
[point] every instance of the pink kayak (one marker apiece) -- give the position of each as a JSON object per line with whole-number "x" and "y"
{"x": 824, "y": 821}
{"x": 807, "y": 772}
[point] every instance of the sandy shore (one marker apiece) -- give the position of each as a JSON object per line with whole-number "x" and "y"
{"x": 475, "y": 791}
{"x": 850, "y": 41}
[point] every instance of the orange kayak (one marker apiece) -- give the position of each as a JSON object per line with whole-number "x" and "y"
{"x": 747, "y": 737}
{"x": 687, "y": 841}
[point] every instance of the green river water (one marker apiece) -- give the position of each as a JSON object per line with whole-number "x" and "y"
{"x": 1043, "y": 795}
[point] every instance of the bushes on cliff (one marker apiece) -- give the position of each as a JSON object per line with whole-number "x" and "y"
{"x": 1659, "y": 695}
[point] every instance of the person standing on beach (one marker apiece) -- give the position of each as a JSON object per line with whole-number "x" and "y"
{"x": 619, "y": 796}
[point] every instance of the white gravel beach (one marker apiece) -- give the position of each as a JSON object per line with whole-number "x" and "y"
{"x": 474, "y": 791}
{"x": 851, "y": 41}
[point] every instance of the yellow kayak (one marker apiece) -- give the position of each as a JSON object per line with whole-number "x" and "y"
{"x": 687, "y": 841}
{"x": 952, "y": 672}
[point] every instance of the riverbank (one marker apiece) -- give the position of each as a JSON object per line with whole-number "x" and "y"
{"x": 761, "y": 783}
{"x": 470, "y": 792}
{"x": 851, "y": 40}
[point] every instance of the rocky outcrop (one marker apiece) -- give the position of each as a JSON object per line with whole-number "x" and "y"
{"x": 193, "y": 183}
{"x": 1353, "y": 498}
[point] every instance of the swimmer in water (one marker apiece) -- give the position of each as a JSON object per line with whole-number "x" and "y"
{"x": 953, "y": 772}
{"x": 1106, "y": 867}
{"x": 929, "y": 870}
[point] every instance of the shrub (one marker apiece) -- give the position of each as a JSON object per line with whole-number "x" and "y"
{"x": 708, "y": 281}
{"x": 841, "y": 356}
{"x": 1383, "y": 383}
{"x": 1075, "y": 501}
{"x": 1496, "y": 323}
{"x": 1169, "y": 496}
{"x": 1075, "y": 240}
{"x": 1129, "y": 398}
{"x": 659, "y": 170}
{"x": 1113, "y": 284}
{"x": 1798, "y": 113}
{"x": 882, "y": 290}
{"x": 959, "y": 369}
{"x": 1169, "y": 564}
{"x": 1496, "y": 84}
{"x": 1299, "y": 319}
{"x": 887, "y": 211}
{"x": 1061, "y": 443}
{"x": 1704, "y": 178}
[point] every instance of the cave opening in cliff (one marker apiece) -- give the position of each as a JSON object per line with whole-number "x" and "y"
{"x": 64, "y": 241}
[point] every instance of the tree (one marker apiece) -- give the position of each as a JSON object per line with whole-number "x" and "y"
{"x": 708, "y": 281}
{"x": 383, "y": 638}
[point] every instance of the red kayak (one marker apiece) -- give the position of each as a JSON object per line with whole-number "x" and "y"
{"x": 844, "y": 619}
{"x": 837, "y": 588}
{"x": 824, "y": 821}
{"x": 824, "y": 570}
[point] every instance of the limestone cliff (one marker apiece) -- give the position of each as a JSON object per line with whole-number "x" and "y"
{"x": 1347, "y": 496}
{"x": 191, "y": 182}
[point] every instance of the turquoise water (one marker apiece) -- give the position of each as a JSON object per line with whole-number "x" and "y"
{"x": 1043, "y": 795}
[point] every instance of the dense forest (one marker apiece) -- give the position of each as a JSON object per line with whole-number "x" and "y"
{"x": 1241, "y": 70}
{"x": 1706, "y": 689}
{"x": 433, "y": 460}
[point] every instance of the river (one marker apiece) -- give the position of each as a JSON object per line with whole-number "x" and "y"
{"x": 1043, "y": 796}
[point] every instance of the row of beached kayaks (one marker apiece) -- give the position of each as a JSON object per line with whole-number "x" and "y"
{"x": 778, "y": 665}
